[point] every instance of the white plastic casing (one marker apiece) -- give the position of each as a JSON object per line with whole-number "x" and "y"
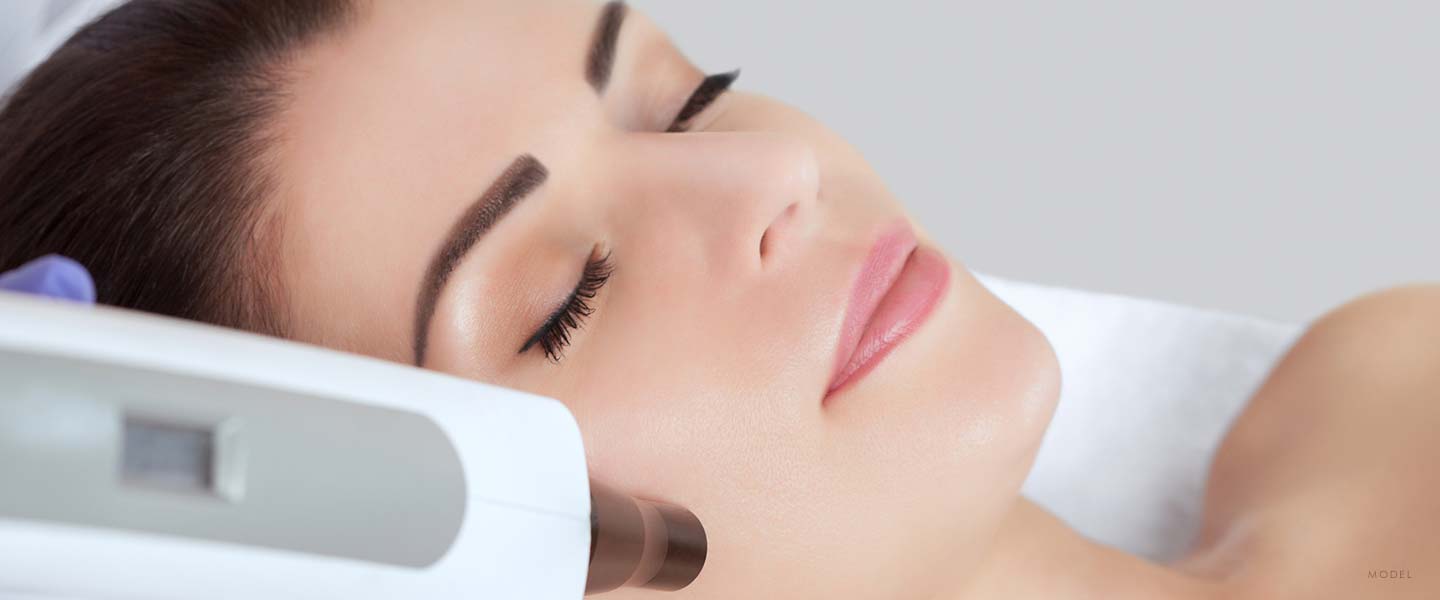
{"x": 526, "y": 528}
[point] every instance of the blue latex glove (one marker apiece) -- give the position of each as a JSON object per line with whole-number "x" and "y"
{"x": 51, "y": 276}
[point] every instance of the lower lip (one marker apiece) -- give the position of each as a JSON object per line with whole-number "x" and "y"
{"x": 904, "y": 309}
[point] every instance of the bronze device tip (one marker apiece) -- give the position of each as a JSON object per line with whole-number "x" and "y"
{"x": 639, "y": 543}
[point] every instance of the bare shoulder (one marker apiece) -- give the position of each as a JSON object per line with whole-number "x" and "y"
{"x": 1327, "y": 483}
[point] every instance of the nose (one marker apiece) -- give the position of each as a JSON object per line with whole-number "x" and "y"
{"x": 747, "y": 197}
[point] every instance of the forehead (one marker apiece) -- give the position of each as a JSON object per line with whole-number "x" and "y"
{"x": 393, "y": 128}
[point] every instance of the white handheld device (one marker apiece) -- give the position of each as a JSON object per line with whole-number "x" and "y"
{"x": 151, "y": 458}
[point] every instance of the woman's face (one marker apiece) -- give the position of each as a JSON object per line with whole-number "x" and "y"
{"x": 700, "y": 375}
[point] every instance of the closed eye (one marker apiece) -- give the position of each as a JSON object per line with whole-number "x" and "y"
{"x": 554, "y": 335}
{"x": 709, "y": 90}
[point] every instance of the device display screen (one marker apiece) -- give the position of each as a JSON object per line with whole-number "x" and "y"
{"x": 168, "y": 456}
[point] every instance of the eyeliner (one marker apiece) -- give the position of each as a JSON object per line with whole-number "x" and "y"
{"x": 710, "y": 89}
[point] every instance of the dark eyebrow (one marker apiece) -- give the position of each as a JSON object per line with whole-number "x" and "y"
{"x": 602, "y": 50}
{"x": 518, "y": 180}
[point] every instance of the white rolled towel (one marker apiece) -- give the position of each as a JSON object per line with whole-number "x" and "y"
{"x": 1148, "y": 391}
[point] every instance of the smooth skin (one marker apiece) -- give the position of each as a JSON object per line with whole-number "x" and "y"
{"x": 1326, "y": 479}
{"x": 1329, "y": 474}
{"x": 700, "y": 375}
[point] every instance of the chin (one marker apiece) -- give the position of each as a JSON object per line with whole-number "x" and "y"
{"x": 976, "y": 377}
{"x": 956, "y": 415}
{"x": 1005, "y": 383}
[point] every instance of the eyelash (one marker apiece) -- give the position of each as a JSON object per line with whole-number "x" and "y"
{"x": 554, "y": 335}
{"x": 704, "y": 95}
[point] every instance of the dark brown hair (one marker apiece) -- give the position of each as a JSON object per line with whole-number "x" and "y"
{"x": 139, "y": 150}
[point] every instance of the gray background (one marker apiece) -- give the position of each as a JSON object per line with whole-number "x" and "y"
{"x": 1264, "y": 157}
{"x": 1270, "y": 158}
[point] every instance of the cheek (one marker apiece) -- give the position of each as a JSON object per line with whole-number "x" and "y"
{"x": 690, "y": 407}
{"x": 687, "y": 385}
{"x": 884, "y": 499}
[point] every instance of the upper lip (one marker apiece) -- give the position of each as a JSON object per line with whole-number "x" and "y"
{"x": 873, "y": 278}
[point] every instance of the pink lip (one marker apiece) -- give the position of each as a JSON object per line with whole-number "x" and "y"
{"x": 897, "y": 287}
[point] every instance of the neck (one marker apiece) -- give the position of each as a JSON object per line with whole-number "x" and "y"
{"x": 1035, "y": 555}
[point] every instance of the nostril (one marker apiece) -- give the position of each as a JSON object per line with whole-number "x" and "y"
{"x": 768, "y": 239}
